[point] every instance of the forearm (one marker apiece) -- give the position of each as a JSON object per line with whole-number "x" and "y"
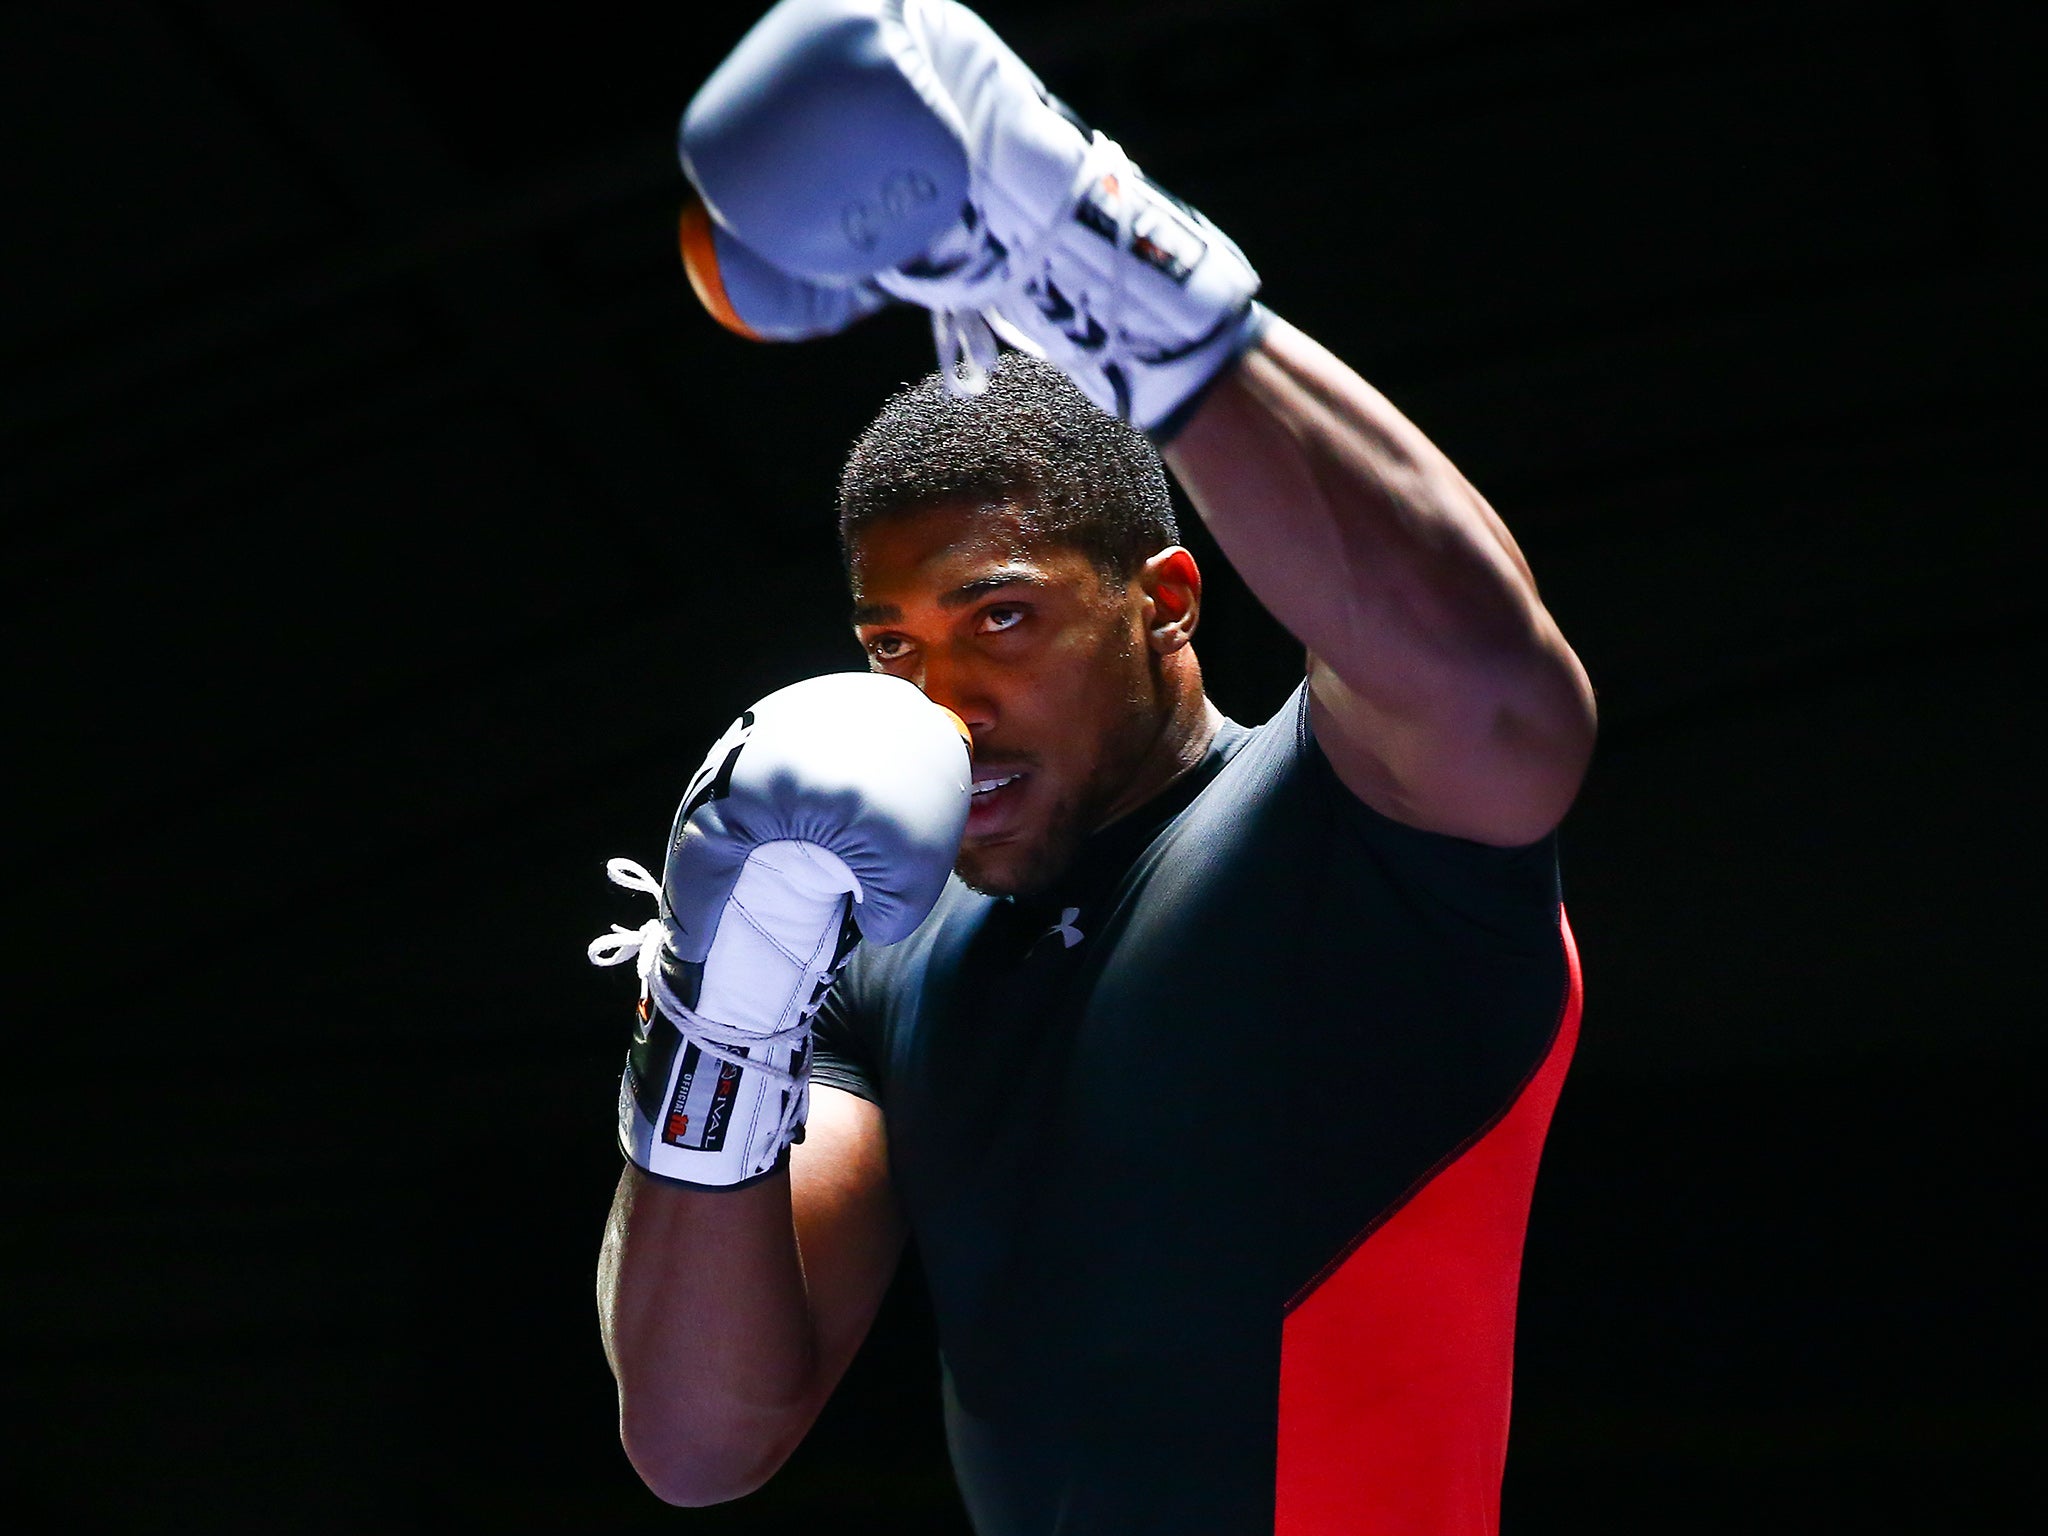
{"x": 1354, "y": 529}
{"x": 707, "y": 1325}
{"x": 731, "y": 1299}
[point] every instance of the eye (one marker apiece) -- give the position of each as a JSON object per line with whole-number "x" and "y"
{"x": 995, "y": 620}
{"x": 888, "y": 647}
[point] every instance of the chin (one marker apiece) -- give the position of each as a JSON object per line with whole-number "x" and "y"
{"x": 995, "y": 876}
{"x": 1033, "y": 857}
{"x": 1015, "y": 869}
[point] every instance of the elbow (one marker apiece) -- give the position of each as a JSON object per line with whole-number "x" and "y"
{"x": 690, "y": 1489}
{"x": 691, "y": 1469}
{"x": 689, "y": 1480}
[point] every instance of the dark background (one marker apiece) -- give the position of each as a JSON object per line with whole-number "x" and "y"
{"x": 388, "y": 534}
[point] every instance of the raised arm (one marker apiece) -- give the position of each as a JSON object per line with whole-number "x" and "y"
{"x": 1439, "y": 685}
{"x": 1442, "y": 691}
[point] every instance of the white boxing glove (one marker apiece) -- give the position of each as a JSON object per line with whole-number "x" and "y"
{"x": 829, "y": 812}
{"x": 849, "y": 150}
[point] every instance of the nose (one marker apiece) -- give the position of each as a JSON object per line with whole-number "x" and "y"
{"x": 956, "y": 687}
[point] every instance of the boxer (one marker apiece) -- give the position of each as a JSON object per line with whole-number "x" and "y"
{"x": 1213, "y": 1082}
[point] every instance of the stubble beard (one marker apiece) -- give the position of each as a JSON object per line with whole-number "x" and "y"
{"x": 1014, "y": 869}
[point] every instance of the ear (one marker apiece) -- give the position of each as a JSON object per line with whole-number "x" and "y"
{"x": 1171, "y": 584}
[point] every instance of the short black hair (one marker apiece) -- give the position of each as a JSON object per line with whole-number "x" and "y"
{"x": 1030, "y": 439}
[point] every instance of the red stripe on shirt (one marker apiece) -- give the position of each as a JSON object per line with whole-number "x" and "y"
{"x": 1397, "y": 1363}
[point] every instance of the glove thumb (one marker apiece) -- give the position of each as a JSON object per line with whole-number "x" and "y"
{"x": 752, "y": 297}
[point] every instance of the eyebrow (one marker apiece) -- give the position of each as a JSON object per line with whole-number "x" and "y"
{"x": 959, "y": 597}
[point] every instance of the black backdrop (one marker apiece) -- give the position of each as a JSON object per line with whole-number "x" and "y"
{"x": 387, "y": 535}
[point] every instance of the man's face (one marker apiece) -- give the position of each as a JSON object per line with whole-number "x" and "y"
{"x": 1040, "y": 654}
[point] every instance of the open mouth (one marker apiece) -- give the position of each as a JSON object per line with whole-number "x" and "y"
{"x": 992, "y": 803}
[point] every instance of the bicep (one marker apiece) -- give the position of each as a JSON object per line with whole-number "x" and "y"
{"x": 1493, "y": 766}
{"x": 849, "y": 1227}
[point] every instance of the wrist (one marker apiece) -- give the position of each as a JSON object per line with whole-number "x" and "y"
{"x": 1239, "y": 340}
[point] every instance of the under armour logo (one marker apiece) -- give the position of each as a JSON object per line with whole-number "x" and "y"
{"x": 1069, "y": 934}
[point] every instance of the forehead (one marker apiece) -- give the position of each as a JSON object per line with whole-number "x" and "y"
{"x": 939, "y": 549}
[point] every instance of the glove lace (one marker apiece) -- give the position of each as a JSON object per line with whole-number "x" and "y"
{"x": 722, "y": 1042}
{"x": 973, "y": 303}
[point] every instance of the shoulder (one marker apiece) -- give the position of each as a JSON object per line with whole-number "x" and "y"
{"x": 1280, "y": 782}
{"x": 878, "y": 973}
{"x": 875, "y": 998}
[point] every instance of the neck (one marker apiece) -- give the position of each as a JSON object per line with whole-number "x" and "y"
{"x": 1185, "y": 735}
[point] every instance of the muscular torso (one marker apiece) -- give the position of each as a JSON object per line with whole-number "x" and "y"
{"x": 1133, "y": 1121}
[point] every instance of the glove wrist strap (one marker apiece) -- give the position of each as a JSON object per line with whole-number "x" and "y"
{"x": 702, "y": 1102}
